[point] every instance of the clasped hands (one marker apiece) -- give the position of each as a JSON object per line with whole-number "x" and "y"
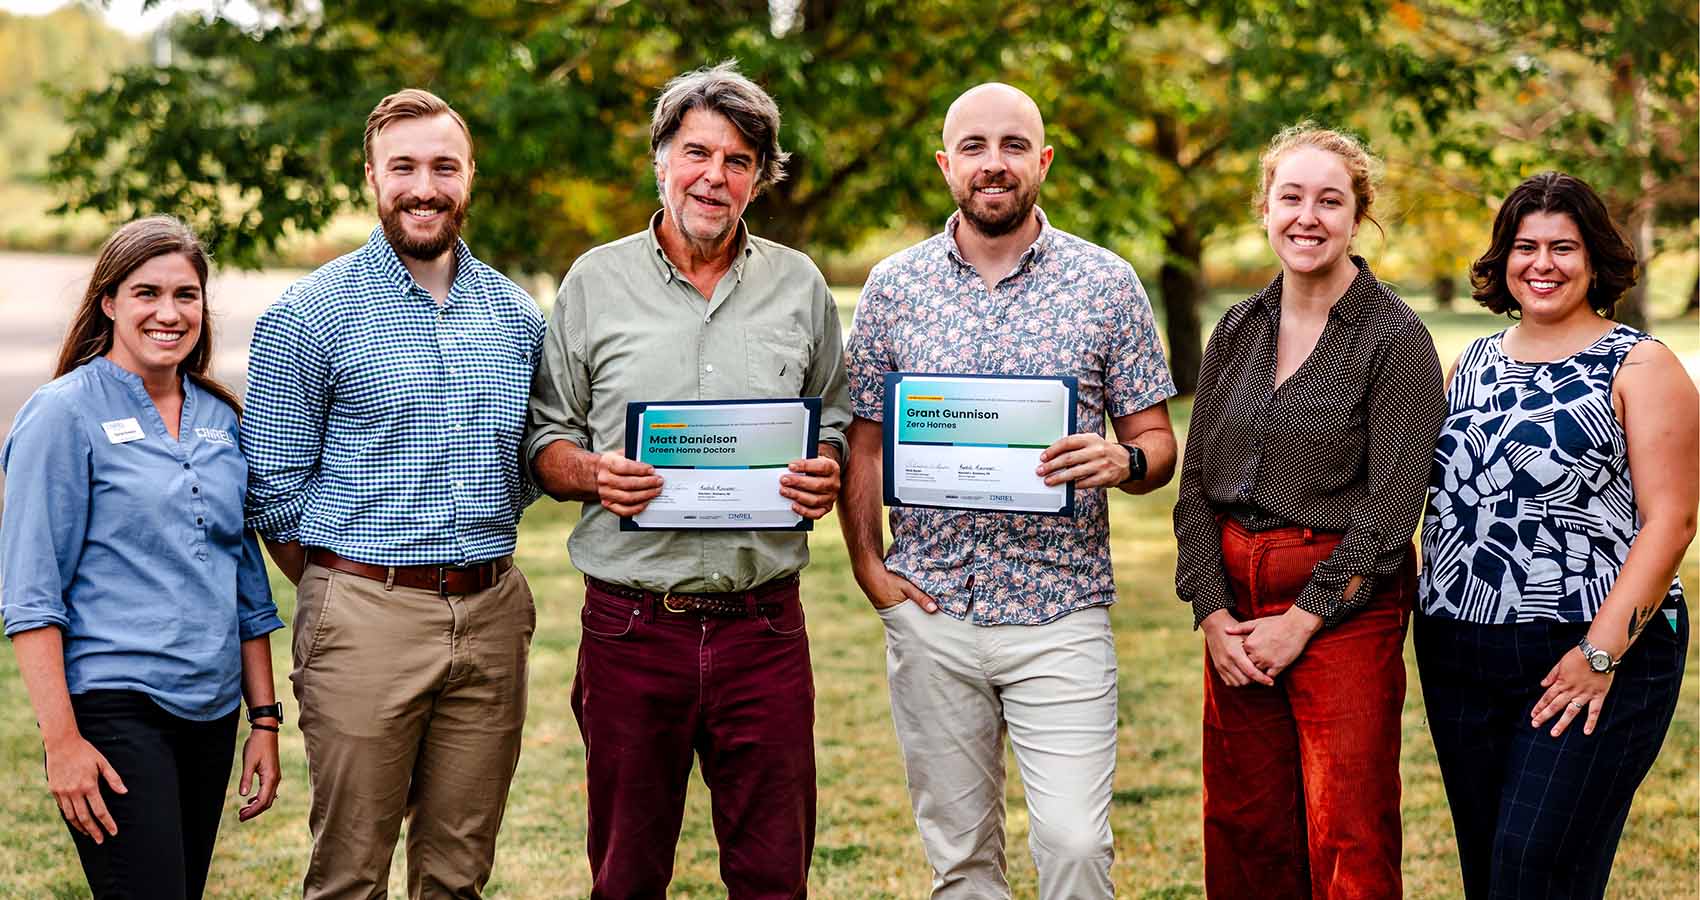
{"x": 625, "y": 486}
{"x": 1259, "y": 649}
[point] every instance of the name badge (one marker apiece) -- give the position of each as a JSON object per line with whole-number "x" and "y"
{"x": 123, "y": 431}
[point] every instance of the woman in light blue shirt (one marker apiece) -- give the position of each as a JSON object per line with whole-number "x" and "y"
{"x": 138, "y": 607}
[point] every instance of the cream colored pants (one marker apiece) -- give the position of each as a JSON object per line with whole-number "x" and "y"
{"x": 411, "y": 706}
{"x": 956, "y": 688}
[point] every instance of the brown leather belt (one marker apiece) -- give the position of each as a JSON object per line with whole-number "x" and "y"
{"x": 767, "y": 599}
{"x": 444, "y": 580}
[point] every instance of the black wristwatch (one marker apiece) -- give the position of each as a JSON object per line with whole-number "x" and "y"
{"x": 1135, "y": 463}
{"x": 274, "y": 711}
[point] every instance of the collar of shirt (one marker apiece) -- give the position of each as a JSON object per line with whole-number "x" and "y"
{"x": 670, "y": 272}
{"x": 110, "y": 369}
{"x": 1034, "y": 251}
{"x": 1350, "y": 306}
{"x": 132, "y": 543}
{"x": 383, "y": 258}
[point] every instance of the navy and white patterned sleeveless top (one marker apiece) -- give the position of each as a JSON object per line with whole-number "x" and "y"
{"x": 1530, "y": 508}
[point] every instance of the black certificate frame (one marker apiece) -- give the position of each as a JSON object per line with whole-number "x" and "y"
{"x": 634, "y": 413}
{"x": 888, "y": 437}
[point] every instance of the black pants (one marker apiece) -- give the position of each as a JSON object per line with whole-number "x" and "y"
{"x": 176, "y": 771}
{"x": 1538, "y": 816}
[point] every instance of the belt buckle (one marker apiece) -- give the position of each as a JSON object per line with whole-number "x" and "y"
{"x": 443, "y": 581}
{"x": 667, "y": 604}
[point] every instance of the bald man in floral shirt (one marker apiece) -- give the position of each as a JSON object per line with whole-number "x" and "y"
{"x": 1023, "y": 644}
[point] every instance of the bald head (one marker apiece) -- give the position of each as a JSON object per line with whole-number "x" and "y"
{"x": 994, "y": 160}
{"x": 992, "y": 109}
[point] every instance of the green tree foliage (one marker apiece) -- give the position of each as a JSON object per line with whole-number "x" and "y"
{"x": 1603, "y": 89}
{"x": 253, "y": 134}
{"x": 1203, "y": 87}
{"x": 1158, "y": 111}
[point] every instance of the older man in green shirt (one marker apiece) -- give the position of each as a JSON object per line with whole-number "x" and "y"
{"x": 694, "y": 641}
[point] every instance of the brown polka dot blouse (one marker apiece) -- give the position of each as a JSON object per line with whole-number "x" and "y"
{"x": 1343, "y": 445}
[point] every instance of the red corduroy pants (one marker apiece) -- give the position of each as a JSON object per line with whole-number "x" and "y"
{"x": 1301, "y": 780}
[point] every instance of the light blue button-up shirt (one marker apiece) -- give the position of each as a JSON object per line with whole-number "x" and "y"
{"x": 132, "y": 543}
{"x": 384, "y": 426}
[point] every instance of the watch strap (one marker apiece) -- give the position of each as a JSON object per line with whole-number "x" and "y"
{"x": 1135, "y": 462}
{"x": 272, "y": 711}
{"x": 1590, "y": 651}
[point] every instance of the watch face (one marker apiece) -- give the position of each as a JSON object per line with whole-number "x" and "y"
{"x": 1599, "y": 661}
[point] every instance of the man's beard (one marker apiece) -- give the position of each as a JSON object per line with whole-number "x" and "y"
{"x": 431, "y": 248}
{"x": 1000, "y": 224}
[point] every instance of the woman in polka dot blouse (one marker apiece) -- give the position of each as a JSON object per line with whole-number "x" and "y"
{"x": 1318, "y": 404}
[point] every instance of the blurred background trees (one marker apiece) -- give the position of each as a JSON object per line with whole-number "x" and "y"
{"x": 1158, "y": 111}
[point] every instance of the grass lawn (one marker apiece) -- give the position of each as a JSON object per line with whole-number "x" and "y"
{"x": 867, "y": 845}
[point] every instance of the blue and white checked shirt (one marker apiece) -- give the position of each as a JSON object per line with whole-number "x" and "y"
{"x": 384, "y": 427}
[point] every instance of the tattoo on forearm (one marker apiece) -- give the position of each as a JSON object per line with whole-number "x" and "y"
{"x": 1638, "y": 619}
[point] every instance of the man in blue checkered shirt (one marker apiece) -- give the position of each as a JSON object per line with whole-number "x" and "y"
{"x": 386, "y": 401}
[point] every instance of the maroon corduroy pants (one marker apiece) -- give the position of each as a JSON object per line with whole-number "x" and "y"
{"x": 656, "y": 689}
{"x": 1301, "y": 780}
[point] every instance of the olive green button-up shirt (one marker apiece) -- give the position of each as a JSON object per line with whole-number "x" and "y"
{"x": 628, "y": 326}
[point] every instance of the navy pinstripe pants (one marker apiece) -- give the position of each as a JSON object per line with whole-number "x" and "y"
{"x": 1538, "y": 816}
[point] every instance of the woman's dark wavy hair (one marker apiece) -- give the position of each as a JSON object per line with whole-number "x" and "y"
{"x": 1610, "y": 255}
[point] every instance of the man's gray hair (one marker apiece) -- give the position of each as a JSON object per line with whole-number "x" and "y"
{"x": 723, "y": 90}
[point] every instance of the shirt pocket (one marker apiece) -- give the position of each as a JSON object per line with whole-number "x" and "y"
{"x": 777, "y": 360}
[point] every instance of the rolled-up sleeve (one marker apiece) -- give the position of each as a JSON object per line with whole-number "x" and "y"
{"x": 48, "y": 463}
{"x": 1406, "y": 408}
{"x": 288, "y": 400}
{"x": 825, "y": 376}
{"x": 256, "y": 613}
{"x": 560, "y": 389}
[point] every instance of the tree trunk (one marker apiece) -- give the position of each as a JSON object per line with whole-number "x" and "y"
{"x": 1631, "y": 90}
{"x": 1181, "y": 281}
{"x": 1445, "y": 290}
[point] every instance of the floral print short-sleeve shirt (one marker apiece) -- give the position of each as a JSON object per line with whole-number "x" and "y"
{"x": 1069, "y": 307}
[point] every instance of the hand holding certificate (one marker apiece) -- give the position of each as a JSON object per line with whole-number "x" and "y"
{"x": 721, "y": 461}
{"x": 974, "y": 441}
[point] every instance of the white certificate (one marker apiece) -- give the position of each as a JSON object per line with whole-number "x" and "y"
{"x": 720, "y": 461}
{"x": 973, "y": 441}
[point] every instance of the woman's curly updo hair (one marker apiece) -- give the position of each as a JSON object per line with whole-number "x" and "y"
{"x": 1611, "y": 258}
{"x": 1361, "y": 166}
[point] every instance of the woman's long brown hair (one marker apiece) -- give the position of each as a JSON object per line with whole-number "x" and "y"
{"x": 129, "y": 247}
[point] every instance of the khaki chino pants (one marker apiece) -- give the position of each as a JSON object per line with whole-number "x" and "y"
{"x": 411, "y": 706}
{"x": 956, "y": 690}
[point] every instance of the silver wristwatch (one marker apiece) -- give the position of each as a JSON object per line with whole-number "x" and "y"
{"x": 1598, "y": 660}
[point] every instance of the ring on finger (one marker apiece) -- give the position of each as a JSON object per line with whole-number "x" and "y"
{"x": 1574, "y": 704}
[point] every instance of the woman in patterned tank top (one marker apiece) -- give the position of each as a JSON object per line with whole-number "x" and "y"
{"x": 1551, "y": 632}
